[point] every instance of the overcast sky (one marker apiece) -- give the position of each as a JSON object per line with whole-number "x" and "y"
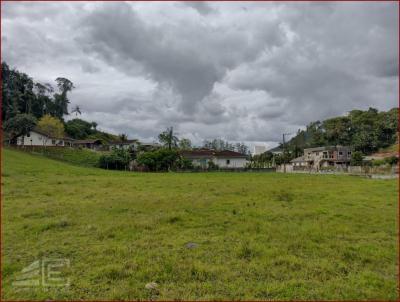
{"x": 239, "y": 71}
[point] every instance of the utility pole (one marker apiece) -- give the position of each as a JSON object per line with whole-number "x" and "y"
{"x": 283, "y": 154}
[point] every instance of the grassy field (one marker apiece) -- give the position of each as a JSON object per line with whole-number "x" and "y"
{"x": 254, "y": 236}
{"x": 81, "y": 157}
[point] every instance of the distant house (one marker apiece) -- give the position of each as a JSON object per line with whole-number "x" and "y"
{"x": 224, "y": 159}
{"x": 39, "y": 138}
{"x": 299, "y": 162}
{"x": 94, "y": 144}
{"x": 148, "y": 146}
{"x": 129, "y": 144}
{"x": 330, "y": 156}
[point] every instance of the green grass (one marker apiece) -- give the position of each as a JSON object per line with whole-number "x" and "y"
{"x": 257, "y": 236}
{"x": 81, "y": 157}
{"x": 392, "y": 148}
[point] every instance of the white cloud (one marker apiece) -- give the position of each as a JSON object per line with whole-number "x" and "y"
{"x": 240, "y": 71}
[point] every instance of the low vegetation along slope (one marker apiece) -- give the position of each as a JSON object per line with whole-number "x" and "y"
{"x": 82, "y": 157}
{"x": 198, "y": 236}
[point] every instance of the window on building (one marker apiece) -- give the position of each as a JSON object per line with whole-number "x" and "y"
{"x": 340, "y": 153}
{"x": 28, "y": 135}
{"x": 228, "y": 161}
{"x": 349, "y": 153}
{"x": 53, "y": 141}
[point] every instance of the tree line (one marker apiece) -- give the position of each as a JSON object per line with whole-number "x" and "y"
{"x": 365, "y": 132}
{"x": 27, "y": 104}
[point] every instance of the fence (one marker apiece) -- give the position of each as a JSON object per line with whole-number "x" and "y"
{"x": 256, "y": 170}
{"x": 360, "y": 170}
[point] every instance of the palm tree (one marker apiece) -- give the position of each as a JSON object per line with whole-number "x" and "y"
{"x": 123, "y": 137}
{"x": 76, "y": 110}
{"x": 168, "y": 138}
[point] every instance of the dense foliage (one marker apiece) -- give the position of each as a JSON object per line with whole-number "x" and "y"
{"x": 168, "y": 139}
{"x": 20, "y": 94}
{"x": 220, "y": 144}
{"x": 117, "y": 159}
{"x": 81, "y": 129}
{"x": 356, "y": 158}
{"x": 159, "y": 160}
{"x": 52, "y": 126}
{"x": 25, "y": 100}
{"x": 365, "y": 131}
{"x": 18, "y": 125}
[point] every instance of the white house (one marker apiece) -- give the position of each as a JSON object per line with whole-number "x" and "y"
{"x": 38, "y": 138}
{"x": 224, "y": 159}
{"x": 129, "y": 144}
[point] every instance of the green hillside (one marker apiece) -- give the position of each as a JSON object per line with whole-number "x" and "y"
{"x": 199, "y": 236}
{"x": 392, "y": 148}
{"x": 82, "y": 157}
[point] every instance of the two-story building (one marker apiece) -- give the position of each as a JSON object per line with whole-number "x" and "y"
{"x": 319, "y": 157}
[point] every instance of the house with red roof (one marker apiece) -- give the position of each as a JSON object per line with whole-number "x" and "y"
{"x": 223, "y": 159}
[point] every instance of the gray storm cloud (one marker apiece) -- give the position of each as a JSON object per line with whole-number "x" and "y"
{"x": 241, "y": 71}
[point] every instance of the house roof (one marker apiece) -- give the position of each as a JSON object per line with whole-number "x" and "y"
{"x": 325, "y": 148}
{"x": 87, "y": 141}
{"x": 126, "y": 142}
{"x": 150, "y": 144}
{"x": 299, "y": 159}
{"x": 45, "y": 134}
{"x": 212, "y": 153}
{"x": 229, "y": 153}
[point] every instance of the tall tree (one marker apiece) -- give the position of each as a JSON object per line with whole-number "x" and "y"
{"x": 242, "y": 148}
{"x": 94, "y": 125}
{"x": 218, "y": 144}
{"x": 123, "y": 137}
{"x": 79, "y": 129}
{"x": 168, "y": 138}
{"x": 76, "y": 110}
{"x": 19, "y": 125}
{"x": 338, "y": 130}
{"x": 185, "y": 144}
{"x": 61, "y": 99}
{"x": 51, "y": 126}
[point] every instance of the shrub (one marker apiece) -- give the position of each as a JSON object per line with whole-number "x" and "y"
{"x": 159, "y": 160}
{"x": 356, "y": 158}
{"x": 392, "y": 160}
{"x": 378, "y": 162}
{"x": 118, "y": 159}
{"x": 185, "y": 164}
{"x": 212, "y": 165}
{"x": 385, "y": 161}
